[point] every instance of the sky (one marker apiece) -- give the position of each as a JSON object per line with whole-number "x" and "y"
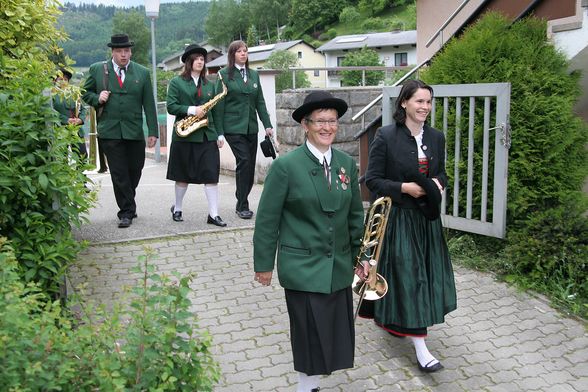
{"x": 121, "y": 3}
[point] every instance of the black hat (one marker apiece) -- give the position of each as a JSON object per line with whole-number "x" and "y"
{"x": 66, "y": 73}
{"x": 120, "y": 41}
{"x": 428, "y": 204}
{"x": 319, "y": 100}
{"x": 268, "y": 148}
{"x": 193, "y": 48}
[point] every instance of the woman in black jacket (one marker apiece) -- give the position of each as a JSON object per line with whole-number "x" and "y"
{"x": 407, "y": 163}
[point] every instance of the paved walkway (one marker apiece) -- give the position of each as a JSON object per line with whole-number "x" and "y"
{"x": 497, "y": 340}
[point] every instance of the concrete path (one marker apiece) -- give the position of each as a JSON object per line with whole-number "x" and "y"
{"x": 497, "y": 340}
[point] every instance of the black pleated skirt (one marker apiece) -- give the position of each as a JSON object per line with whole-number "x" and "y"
{"x": 322, "y": 330}
{"x": 194, "y": 163}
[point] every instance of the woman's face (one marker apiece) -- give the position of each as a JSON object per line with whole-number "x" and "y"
{"x": 418, "y": 106}
{"x": 241, "y": 56}
{"x": 321, "y": 128}
{"x": 198, "y": 63}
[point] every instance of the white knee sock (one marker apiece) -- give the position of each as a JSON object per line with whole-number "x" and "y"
{"x": 422, "y": 352}
{"x": 211, "y": 191}
{"x": 180, "y": 193}
{"x": 307, "y": 383}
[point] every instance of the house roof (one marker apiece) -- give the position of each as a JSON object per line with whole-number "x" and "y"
{"x": 373, "y": 40}
{"x": 258, "y": 53}
{"x": 179, "y": 54}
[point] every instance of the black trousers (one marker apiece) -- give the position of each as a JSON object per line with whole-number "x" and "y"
{"x": 126, "y": 159}
{"x": 101, "y": 157}
{"x": 244, "y": 149}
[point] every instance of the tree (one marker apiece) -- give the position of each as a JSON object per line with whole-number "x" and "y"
{"x": 227, "y": 20}
{"x": 364, "y": 56}
{"x": 373, "y": 7}
{"x": 133, "y": 24}
{"x": 311, "y": 14}
{"x": 267, "y": 15}
{"x": 283, "y": 60}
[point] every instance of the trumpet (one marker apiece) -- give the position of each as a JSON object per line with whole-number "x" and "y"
{"x": 374, "y": 286}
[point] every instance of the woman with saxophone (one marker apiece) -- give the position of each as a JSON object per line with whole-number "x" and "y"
{"x": 407, "y": 163}
{"x": 194, "y": 158}
{"x": 310, "y": 214}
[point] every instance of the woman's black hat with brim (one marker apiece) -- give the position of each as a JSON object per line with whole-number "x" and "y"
{"x": 319, "y": 100}
{"x": 191, "y": 49}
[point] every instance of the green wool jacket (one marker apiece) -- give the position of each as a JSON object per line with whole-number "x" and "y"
{"x": 66, "y": 109}
{"x": 122, "y": 117}
{"x": 316, "y": 231}
{"x": 182, "y": 94}
{"x": 237, "y": 112}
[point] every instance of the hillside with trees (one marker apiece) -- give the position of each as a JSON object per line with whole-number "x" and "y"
{"x": 221, "y": 21}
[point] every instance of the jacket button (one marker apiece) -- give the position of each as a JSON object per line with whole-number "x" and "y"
{"x": 329, "y": 254}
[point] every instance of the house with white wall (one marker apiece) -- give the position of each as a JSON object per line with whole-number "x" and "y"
{"x": 394, "y": 48}
{"x": 258, "y": 55}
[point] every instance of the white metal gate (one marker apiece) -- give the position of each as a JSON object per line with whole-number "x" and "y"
{"x": 475, "y": 121}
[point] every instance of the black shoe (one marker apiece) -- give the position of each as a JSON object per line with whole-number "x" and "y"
{"x": 125, "y": 222}
{"x": 317, "y": 389}
{"x": 134, "y": 215}
{"x": 217, "y": 220}
{"x": 245, "y": 214}
{"x": 102, "y": 170}
{"x": 430, "y": 369}
{"x": 176, "y": 216}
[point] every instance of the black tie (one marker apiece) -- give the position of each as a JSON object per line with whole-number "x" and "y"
{"x": 243, "y": 73}
{"x": 327, "y": 171}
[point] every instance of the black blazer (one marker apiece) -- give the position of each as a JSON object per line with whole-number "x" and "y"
{"x": 393, "y": 159}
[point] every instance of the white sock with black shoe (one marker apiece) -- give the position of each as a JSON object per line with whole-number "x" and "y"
{"x": 307, "y": 383}
{"x": 211, "y": 191}
{"x": 425, "y": 358}
{"x": 180, "y": 193}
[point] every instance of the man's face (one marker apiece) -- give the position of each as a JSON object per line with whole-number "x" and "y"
{"x": 121, "y": 56}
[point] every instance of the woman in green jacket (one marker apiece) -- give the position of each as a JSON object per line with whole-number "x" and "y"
{"x": 236, "y": 119}
{"x": 310, "y": 221}
{"x": 195, "y": 158}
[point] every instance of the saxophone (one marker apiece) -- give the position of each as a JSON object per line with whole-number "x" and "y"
{"x": 190, "y": 124}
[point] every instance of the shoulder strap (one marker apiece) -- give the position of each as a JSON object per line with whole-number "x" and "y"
{"x": 104, "y": 86}
{"x": 105, "y": 78}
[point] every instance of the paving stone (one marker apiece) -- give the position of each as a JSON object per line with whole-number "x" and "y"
{"x": 497, "y": 340}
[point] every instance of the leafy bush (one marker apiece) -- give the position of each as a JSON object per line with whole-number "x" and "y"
{"x": 547, "y": 228}
{"x": 151, "y": 345}
{"x": 365, "y": 57}
{"x": 282, "y": 60}
{"x": 328, "y": 35}
{"x": 41, "y": 188}
{"x": 349, "y": 15}
{"x": 373, "y": 24}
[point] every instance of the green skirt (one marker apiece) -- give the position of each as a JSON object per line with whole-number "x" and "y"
{"x": 415, "y": 262}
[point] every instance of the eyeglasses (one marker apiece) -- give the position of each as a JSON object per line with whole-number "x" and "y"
{"x": 322, "y": 123}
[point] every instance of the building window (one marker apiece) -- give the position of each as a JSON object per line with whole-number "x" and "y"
{"x": 317, "y": 72}
{"x": 400, "y": 59}
{"x": 299, "y": 55}
{"x": 340, "y": 61}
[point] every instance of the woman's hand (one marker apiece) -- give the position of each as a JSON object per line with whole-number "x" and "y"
{"x": 265, "y": 278}
{"x": 363, "y": 270}
{"x": 413, "y": 189}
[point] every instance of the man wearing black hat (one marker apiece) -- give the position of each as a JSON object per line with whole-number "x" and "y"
{"x": 121, "y": 91}
{"x": 310, "y": 214}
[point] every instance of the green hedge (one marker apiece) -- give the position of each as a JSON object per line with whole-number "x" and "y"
{"x": 547, "y": 229}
